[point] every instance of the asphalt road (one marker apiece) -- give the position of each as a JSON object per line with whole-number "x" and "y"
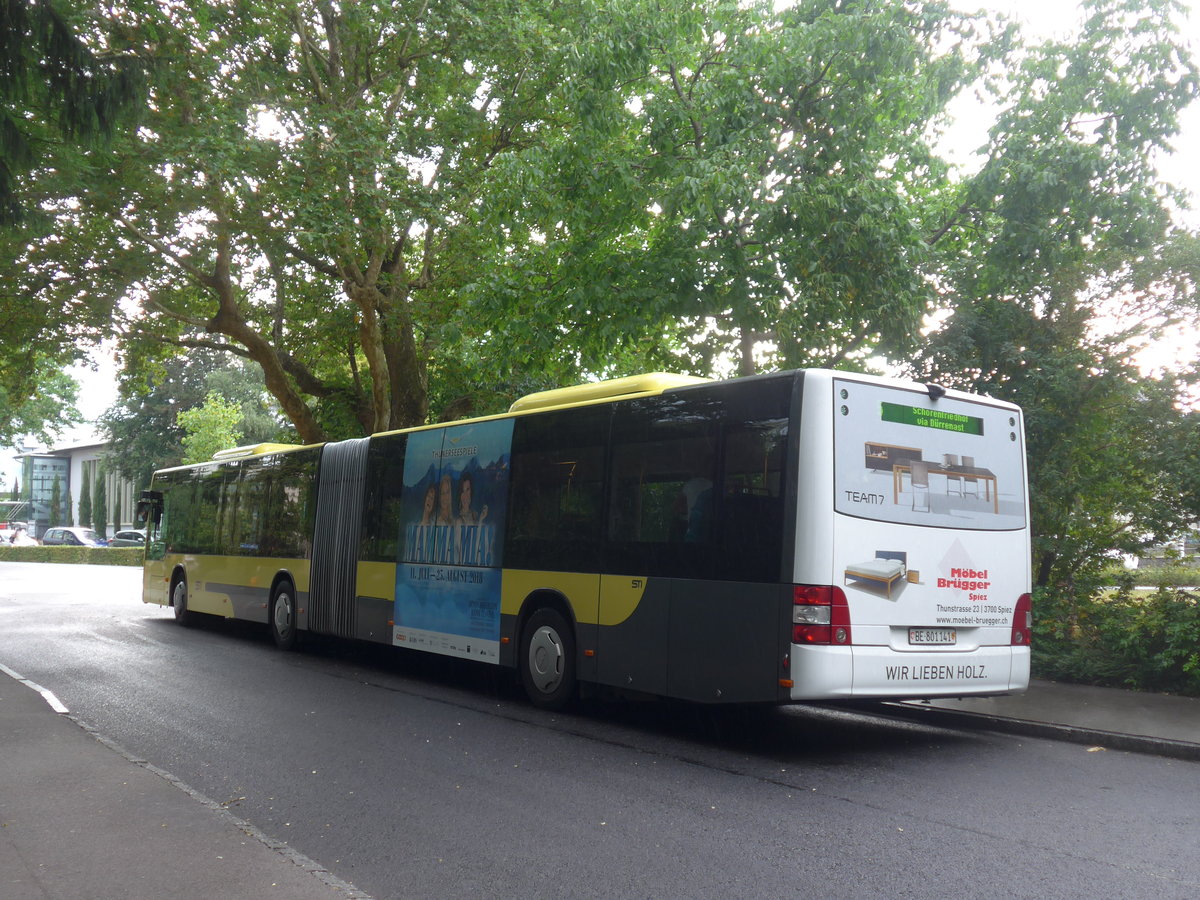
{"x": 414, "y": 776}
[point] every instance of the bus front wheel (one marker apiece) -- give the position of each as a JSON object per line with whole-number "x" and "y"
{"x": 548, "y": 659}
{"x": 283, "y": 616}
{"x": 179, "y": 600}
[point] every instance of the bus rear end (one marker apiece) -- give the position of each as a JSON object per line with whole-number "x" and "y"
{"x": 912, "y": 558}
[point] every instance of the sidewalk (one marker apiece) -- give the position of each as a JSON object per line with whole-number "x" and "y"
{"x": 1161, "y": 724}
{"x": 79, "y": 820}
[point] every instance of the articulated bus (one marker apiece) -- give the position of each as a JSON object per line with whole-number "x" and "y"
{"x": 806, "y": 535}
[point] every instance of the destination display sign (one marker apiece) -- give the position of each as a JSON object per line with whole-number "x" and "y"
{"x": 931, "y": 418}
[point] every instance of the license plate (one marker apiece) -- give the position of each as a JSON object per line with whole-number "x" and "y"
{"x": 932, "y": 635}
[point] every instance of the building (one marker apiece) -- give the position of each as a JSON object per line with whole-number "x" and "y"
{"x": 1184, "y": 550}
{"x": 42, "y": 470}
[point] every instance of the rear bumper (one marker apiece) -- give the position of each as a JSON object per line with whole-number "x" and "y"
{"x": 839, "y": 673}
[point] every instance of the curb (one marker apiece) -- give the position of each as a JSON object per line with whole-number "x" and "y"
{"x": 1075, "y": 734}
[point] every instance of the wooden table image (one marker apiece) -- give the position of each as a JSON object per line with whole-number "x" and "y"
{"x": 988, "y": 477}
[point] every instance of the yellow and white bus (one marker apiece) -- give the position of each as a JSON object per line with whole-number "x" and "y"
{"x": 804, "y": 535}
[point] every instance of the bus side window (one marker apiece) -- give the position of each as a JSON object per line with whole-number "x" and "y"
{"x": 383, "y": 509}
{"x": 556, "y": 497}
{"x": 251, "y": 506}
{"x": 751, "y": 533}
{"x": 179, "y": 502}
{"x": 663, "y": 483}
{"x": 288, "y": 529}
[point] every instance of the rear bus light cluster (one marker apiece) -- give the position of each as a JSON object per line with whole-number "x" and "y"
{"x": 820, "y": 615}
{"x": 1022, "y": 628}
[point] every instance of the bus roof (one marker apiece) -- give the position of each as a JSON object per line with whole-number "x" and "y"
{"x": 254, "y": 450}
{"x": 614, "y": 389}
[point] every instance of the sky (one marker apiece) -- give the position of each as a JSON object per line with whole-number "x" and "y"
{"x": 1037, "y": 18}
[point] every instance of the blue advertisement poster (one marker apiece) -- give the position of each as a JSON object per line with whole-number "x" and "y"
{"x": 453, "y": 513}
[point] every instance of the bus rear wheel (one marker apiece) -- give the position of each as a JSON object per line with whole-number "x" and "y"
{"x": 283, "y": 616}
{"x": 179, "y": 600}
{"x": 547, "y": 659}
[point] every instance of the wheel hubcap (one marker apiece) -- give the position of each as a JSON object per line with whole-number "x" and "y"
{"x": 546, "y": 659}
{"x": 283, "y": 614}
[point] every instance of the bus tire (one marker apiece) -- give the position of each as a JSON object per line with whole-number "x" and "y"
{"x": 547, "y": 659}
{"x": 183, "y": 615}
{"x": 283, "y": 616}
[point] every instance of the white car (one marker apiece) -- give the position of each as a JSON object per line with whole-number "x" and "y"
{"x": 22, "y": 538}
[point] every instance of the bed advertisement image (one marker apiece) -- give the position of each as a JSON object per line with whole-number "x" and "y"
{"x": 452, "y": 517}
{"x": 946, "y": 580}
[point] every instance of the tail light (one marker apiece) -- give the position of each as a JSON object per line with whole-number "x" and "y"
{"x": 820, "y": 615}
{"x": 1022, "y": 627}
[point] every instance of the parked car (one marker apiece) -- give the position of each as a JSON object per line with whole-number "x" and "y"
{"x": 20, "y": 537}
{"x": 131, "y": 538}
{"x": 9, "y": 529}
{"x": 72, "y": 537}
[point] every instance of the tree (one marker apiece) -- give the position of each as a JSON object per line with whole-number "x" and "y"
{"x": 55, "y": 502}
{"x": 330, "y": 188}
{"x": 408, "y": 213}
{"x": 34, "y": 401}
{"x": 209, "y": 428}
{"x": 777, "y": 190}
{"x": 116, "y": 514}
{"x": 67, "y": 82}
{"x": 85, "y": 497}
{"x": 1109, "y": 472}
{"x": 1067, "y": 217}
{"x": 155, "y": 387}
{"x": 100, "y": 503}
{"x": 56, "y": 84}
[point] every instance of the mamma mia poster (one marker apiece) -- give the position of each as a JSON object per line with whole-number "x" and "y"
{"x": 452, "y": 521}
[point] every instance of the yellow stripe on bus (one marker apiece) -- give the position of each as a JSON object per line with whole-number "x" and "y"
{"x": 595, "y": 599}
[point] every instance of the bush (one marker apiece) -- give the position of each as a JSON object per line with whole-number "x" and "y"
{"x": 92, "y": 556}
{"x": 1119, "y": 639}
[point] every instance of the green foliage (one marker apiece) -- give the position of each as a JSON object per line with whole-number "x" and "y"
{"x": 420, "y": 210}
{"x": 100, "y": 503}
{"x": 36, "y": 397}
{"x": 91, "y": 556}
{"x": 1120, "y": 640}
{"x": 1112, "y": 456}
{"x": 157, "y": 384}
{"x": 66, "y": 82}
{"x": 209, "y": 428}
{"x": 85, "y": 497}
{"x": 55, "y": 84}
{"x": 755, "y": 189}
{"x": 1065, "y": 221}
{"x": 56, "y": 503}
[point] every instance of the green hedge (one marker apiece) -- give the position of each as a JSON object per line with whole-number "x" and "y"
{"x": 92, "y": 556}
{"x": 1176, "y": 575}
{"x": 1148, "y": 642}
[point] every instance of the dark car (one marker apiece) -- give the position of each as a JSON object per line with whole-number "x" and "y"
{"x": 72, "y": 537}
{"x": 131, "y": 538}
